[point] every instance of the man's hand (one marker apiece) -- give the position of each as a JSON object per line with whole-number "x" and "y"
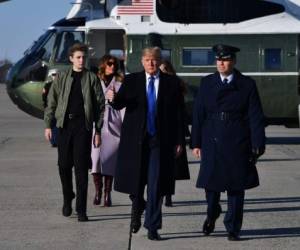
{"x": 48, "y": 134}
{"x": 178, "y": 150}
{"x": 110, "y": 95}
{"x": 97, "y": 140}
{"x": 197, "y": 152}
{"x": 256, "y": 153}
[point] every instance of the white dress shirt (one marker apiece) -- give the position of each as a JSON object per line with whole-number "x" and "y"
{"x": 229, "y": 78}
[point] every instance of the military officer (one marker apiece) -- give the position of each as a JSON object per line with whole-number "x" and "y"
{"x": 228, "y": 134}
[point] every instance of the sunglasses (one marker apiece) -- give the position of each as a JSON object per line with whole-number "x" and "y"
{"x": 111, "y": 63}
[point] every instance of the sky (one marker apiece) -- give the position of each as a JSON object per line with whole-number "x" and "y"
{"x": 23, "y": 21}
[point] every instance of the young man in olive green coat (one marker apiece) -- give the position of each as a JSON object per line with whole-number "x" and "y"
{"x": 76, "y": 101}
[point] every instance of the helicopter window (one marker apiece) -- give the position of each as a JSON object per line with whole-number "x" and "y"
{"x": 145, "y": 19}
{"x": 40, "y": 41}
{"x": 214, "y": 11}
{"x": 119, "y": 53}
{"x": 46, "y": 50}
{"x": 68, "y": 38}
{"x": 166, "y": 54}
{"x": 35, "y": 67}
{"x": 197, "y": 57}
{"x": 273, "y": 59}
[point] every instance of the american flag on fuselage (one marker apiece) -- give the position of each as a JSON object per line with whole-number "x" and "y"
{"x": 135, "y": 7}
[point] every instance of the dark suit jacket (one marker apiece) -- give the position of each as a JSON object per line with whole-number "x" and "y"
{"x": 169, "y": 124}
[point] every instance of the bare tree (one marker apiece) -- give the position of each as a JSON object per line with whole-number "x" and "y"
{"x": 5, "y": 64}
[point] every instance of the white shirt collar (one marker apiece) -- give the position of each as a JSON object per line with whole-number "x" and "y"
{"x": 229, "y": 78}
{"x": 156, "y": 76}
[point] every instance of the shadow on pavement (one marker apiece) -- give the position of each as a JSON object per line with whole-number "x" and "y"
{"x": 247, "y": 234}
{"x": 283, "y": 140}
{"x": 286, "y": 159}
{"x": 181, "y": 235}
{"x": 271, "y": 209}
{"x": 265, "y": 233}
{"x": 247, "y": 201}
{"x": 272, "y": 200}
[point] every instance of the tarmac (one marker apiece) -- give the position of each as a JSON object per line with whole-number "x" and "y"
{"x": 31, "y": 199}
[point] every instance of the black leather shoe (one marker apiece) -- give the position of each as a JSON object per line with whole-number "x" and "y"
{"x": 233, "y": 237}
{"x": 82, "y": 218}
{"x": 67, "y": 207}
{"x": 168, "y": 201}
{"x": 136, "y": 221}
{"x": 153, "y": 235}
{"x": 209, "y": 224}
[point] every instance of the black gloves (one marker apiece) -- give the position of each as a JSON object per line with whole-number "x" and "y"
{"x": 256, "y": 153}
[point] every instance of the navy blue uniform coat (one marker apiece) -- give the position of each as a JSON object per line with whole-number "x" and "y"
{"x": 169, "y": 124}
{"x": 226, "y": 144}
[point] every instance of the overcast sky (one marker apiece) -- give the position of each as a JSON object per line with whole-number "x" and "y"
{"x": 23, "y": 21}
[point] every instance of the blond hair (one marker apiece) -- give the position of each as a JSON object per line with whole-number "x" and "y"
{"x": 153, "y": 51}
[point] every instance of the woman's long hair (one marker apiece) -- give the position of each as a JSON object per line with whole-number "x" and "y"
{"x": 169, "y": 69}
{"x": 102, "y": 65}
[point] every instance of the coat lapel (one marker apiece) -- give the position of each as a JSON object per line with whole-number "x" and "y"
{"x": 160, "y": 92}
{"x": 235, "y": 81}
{"x": 159, "y": 102}
{"x": 69, "y": 82}
{"x": 141, "y": 85}
{"x": 84, "y": 82}
{"x": 111, "y": 85}
{"x": 216, "y": 83}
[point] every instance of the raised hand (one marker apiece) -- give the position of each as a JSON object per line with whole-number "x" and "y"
{"x": 110, "y": 94}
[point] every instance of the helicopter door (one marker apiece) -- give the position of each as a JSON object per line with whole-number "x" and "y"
{"x": 279, "y": 76}
{"x": 103, "y": 42}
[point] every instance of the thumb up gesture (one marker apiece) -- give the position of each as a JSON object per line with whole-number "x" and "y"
{"x": 110, "y": 94}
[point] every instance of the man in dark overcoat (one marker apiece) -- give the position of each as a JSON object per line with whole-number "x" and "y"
{"x": 152, "y": 136}
{"x": 228, "y": 133}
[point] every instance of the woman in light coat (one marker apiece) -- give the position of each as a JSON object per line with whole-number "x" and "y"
{"x": 104, "y": 158}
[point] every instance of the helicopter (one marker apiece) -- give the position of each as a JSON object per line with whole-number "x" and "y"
{"x": 185, "y": 30}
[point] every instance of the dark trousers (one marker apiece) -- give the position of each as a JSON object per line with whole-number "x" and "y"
{"x": 151, "y": 170}
{"x": 234, "y": 216}
{"x": 53, "y": 140}
{"x": 74, "y": 149}
{"x": 54, "y": 131}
